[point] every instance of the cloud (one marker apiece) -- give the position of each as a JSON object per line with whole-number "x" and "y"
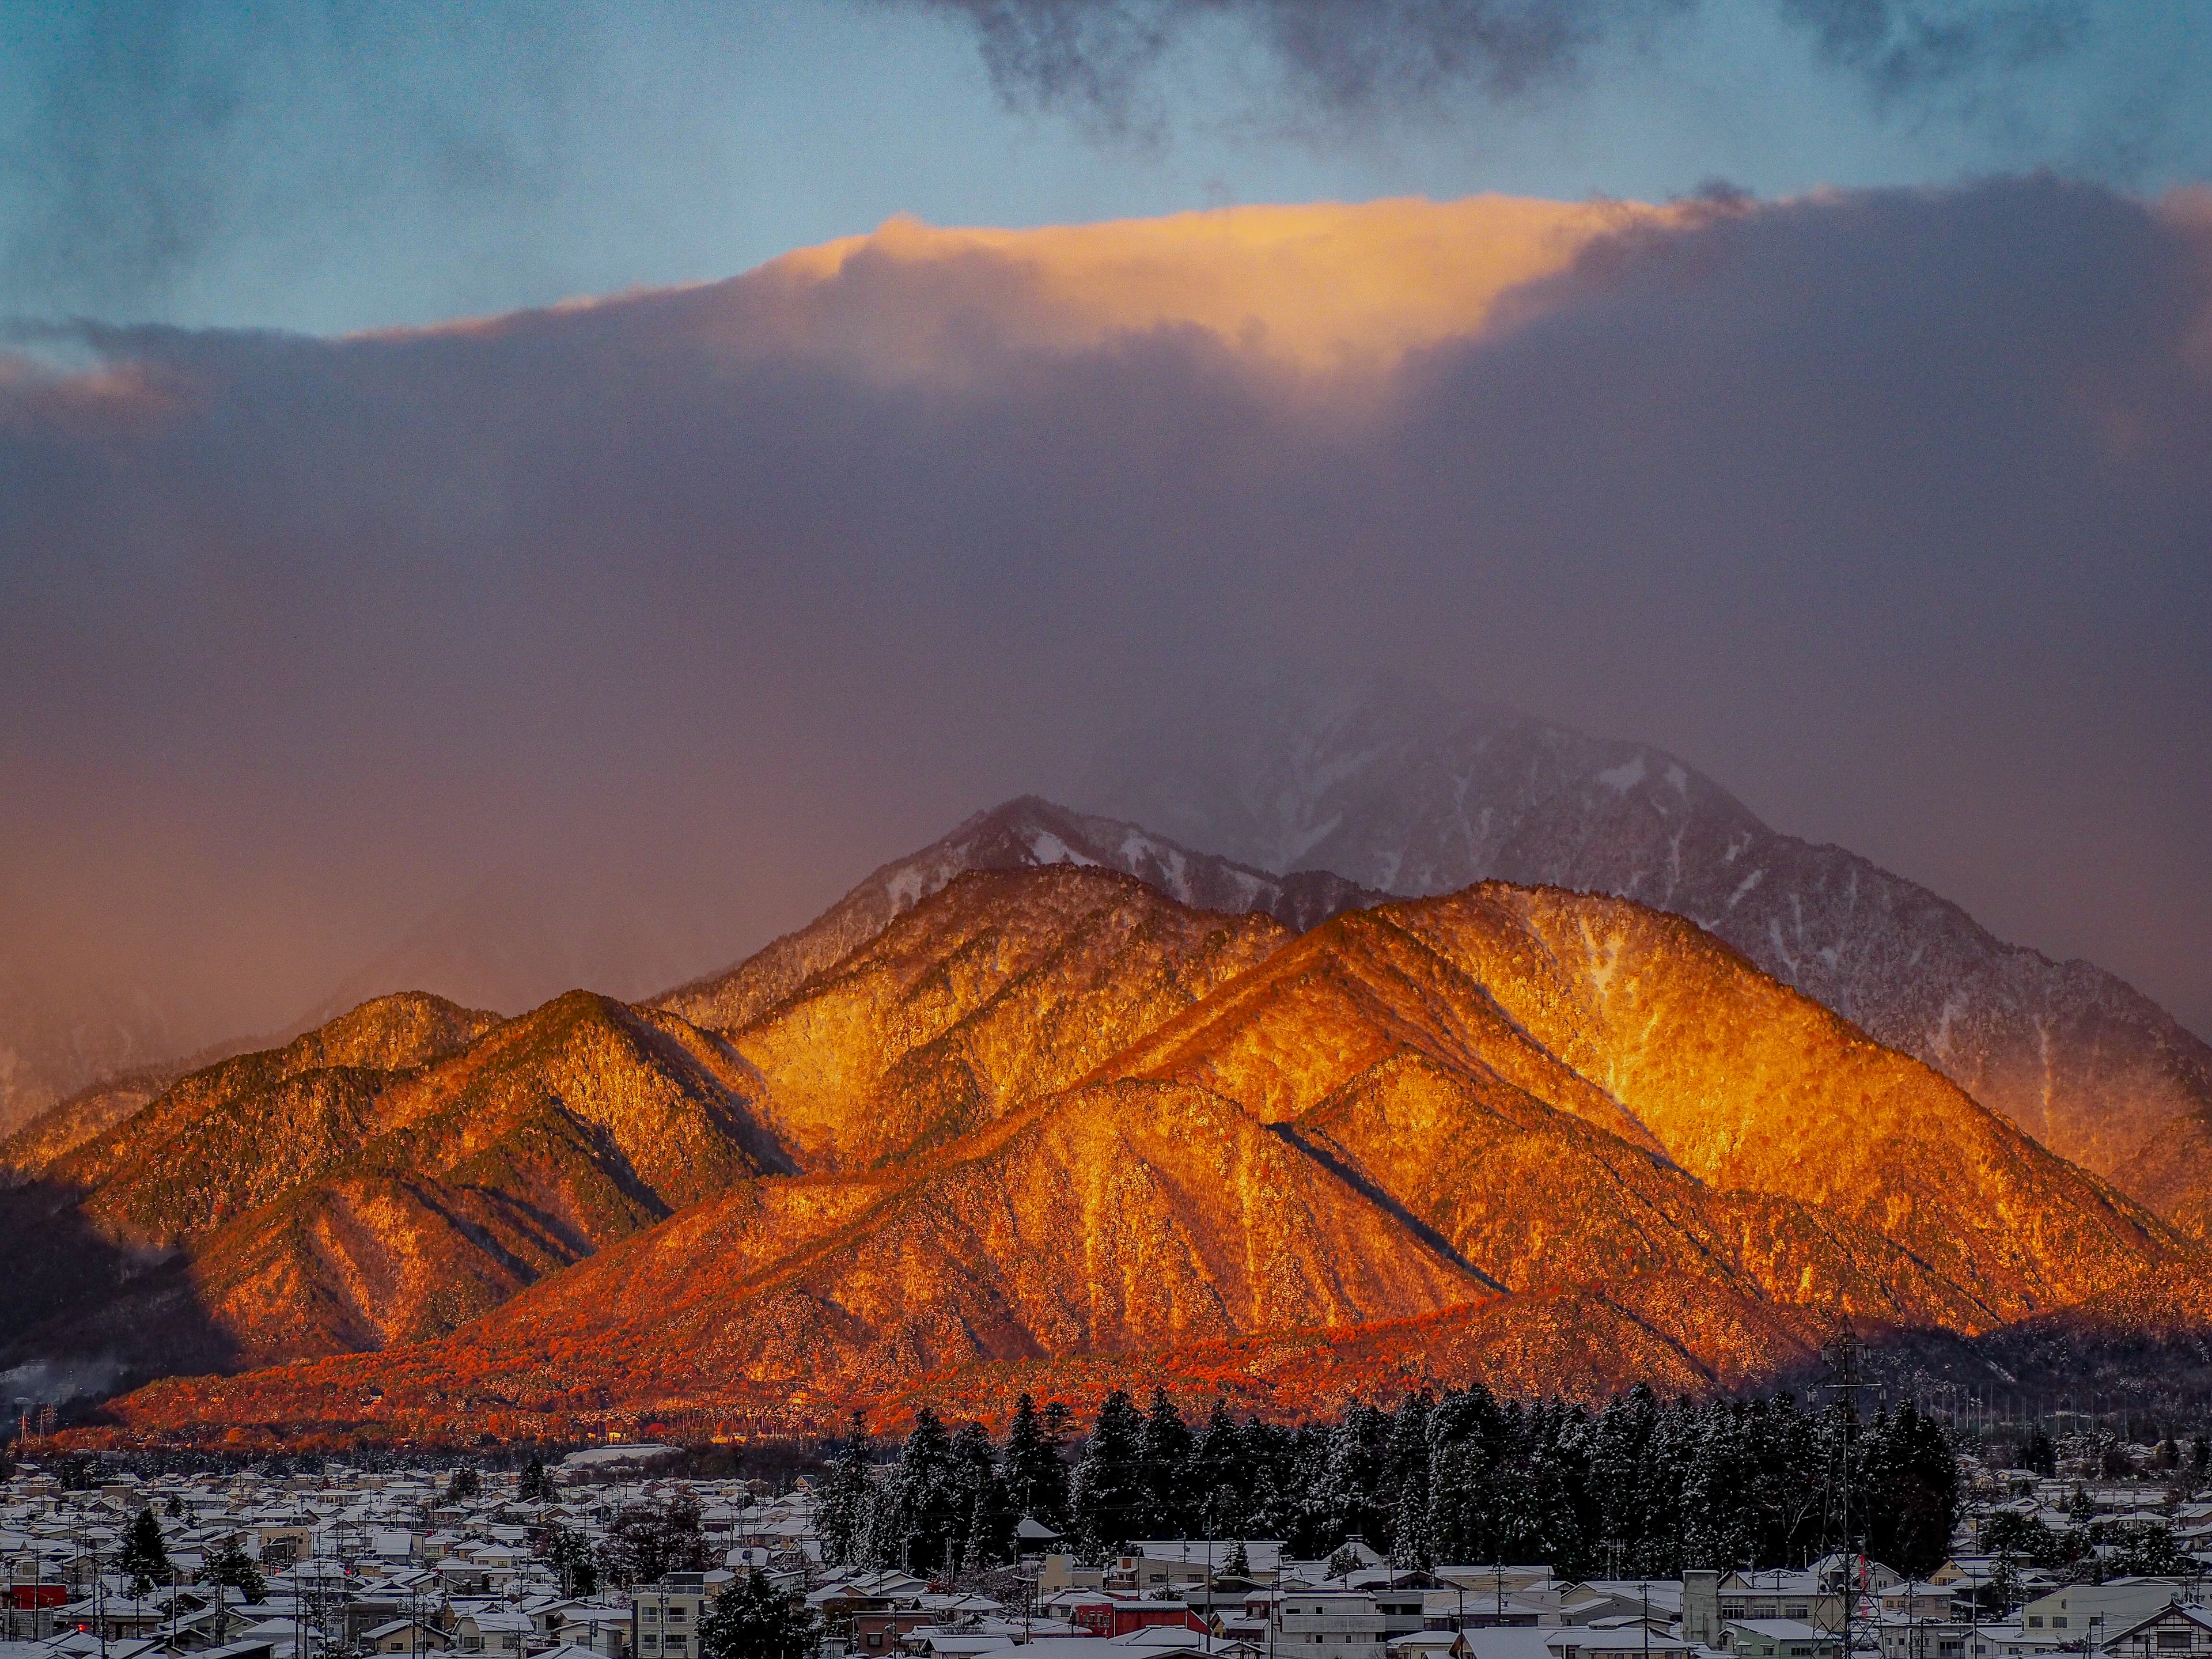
{"x": 1319, "y": 286}
{"x": 1904, "y": 50}
{"x": 1887, "y": 509}
{"x": 1332, "y": 70}
{"x": 1097, "y": 58}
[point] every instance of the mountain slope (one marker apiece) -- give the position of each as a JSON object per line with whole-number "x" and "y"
{"x": 1024, "y": 834}
{"x": 1407, "y": 793}
{"x": 1532, "y": 1135}
{"x": 404, "y": 1168}
{"x": 1118, "y": 1216}
{"x": 999, "y": 987}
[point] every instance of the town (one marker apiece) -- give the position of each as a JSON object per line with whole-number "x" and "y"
{"x": 608, "y": 1552}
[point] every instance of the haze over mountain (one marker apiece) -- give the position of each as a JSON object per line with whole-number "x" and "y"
{"x": 1407, "y": 791}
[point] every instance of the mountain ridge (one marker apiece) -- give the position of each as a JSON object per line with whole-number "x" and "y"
{"x": 1480, "y": 1135}
{"x": 1402, "y": 790}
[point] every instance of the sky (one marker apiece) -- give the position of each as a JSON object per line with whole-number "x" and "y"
{"x": 432, "y": 452}
{"x": 340, "y": 165}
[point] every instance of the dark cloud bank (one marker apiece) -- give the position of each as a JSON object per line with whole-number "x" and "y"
{"x": 1894, "y": 512}
{"x": 1326, "y": 63}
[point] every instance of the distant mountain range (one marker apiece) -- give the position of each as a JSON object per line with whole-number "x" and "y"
{"x": 1307, "y": 800}
{"x": 1407, "y": 793}
{"x": 1008, "y": 1110}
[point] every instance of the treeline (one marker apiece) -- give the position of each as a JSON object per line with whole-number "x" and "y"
{"x": 1640, "y": 1488}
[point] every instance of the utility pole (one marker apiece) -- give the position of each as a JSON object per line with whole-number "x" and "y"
{"x": 1843, "y": 1354}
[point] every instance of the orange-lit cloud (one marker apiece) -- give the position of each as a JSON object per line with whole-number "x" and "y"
{"x": 1322, "y": 286}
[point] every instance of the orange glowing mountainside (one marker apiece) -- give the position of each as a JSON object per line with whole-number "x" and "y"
{"x": 412, "y": 1164}
{"x": 1050, "y": 1125}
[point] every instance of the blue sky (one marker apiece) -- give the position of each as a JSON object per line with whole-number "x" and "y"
{"x": 336, "y": 166}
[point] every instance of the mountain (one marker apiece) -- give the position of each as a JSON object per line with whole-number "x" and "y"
{"x": 380, "y": 1179}
{"x": 1001, "y": 987}
{"x": 1025, "y": 834}
{"x": 509, "y": 943}
{"x": 1554, "y": 1139}
{"x": 1409, "y": 793}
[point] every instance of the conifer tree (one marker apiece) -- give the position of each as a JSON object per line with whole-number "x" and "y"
{"x": 1222, "y": 1474}
{"x": 233, "y": 1569}
{"x": 925, "y": 1514}
{"x": 844, "y": 1505}
{"x": 1036, "y": 1479}
{"x": 535, "y": 1485}
{"x": 1164, "y": 1452}
{"x": 751, "y": 1620}
{"x": 1108, "y": 1494}
{"x": 1910, "y": 1477}
{"x": 984, "y": 1521}
{"x": 145, "y": 1557}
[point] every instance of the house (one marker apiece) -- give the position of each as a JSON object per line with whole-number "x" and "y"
{"x": 2074, "y": 1613}
{"x": 1779, "y": 1638}
{"x": 1637, "y": 1641}
{"x": 2169, "y": 1633}
{"x": 1103, "y": 1614}
{"x": 1329, "y": 1625}
{"x": 408, "y": 1635}
{"x": 605, "y": 1631}
{"x": 1431, "y": 1645}
{"x": 1916, "y": 1600}
{"x": 667, "y": 1615}
{"x": 1711, "y": 1601}
{"x": 1263, "y": 1557}
{"x": 498, "y": 1635}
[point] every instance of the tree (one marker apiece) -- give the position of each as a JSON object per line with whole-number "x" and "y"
{"x": 986, "y": 1515}
{"x": 1222, "y": 1474}
{"x": 574, "y": 1563}
{"x": 235, "y": 1570}
{"x": 921, "y": 1518}
{"x": 2009, "y": 1535}
{"x": 536, "y": 1487}
{"x": 845, "y": 1495}
{"x": 1910, "y": 1476}
{"x": 647, "y": 1541}
{"x": 1036, "y": 1479}
{"x": 1109, "y": 1493}
{"x": 464, "y": 1485}
{"x": 2151, "y": 1553}
{"x": 145, "y": 1557}
{"x": 751, "y": 1620}
{"x": 1164, "y": 1450}
{"x": 2038, "y": 1453}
